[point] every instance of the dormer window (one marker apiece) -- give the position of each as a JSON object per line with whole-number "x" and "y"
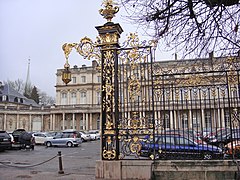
{"x": 4, "y": 98}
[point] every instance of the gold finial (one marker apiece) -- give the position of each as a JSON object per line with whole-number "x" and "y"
{"x": 109, "y": 11}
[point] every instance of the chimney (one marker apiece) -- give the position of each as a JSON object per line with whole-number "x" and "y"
{"x": 211, "y": 55}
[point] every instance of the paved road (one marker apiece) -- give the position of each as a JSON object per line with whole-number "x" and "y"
{"x": 78, "y": 163}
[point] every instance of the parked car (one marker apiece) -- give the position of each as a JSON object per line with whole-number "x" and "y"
{"x": 85, "y": 137}
{"x": 5, "y": 141}
{"x": 67, "y": 138}
{"x": 94, "y": 134}
{"x": 41, "y": 137}
{"x": 191, "y": 134}
{"x": 177, "y": 146}
{"x": 22, "y": 139}
{"x": 224, "y": 137}
{"x": 233, "y": 149}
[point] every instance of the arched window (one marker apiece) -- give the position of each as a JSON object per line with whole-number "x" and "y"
{"x": 64, "y": 99}
{"x": 83, "y": 98}
{"x": 73, "y": 98}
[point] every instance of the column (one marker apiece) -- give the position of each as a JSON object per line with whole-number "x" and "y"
{"x": 5, "y": 122}
{"x": 30, "y": 122}
{"x": 87, "y": 127}
{"x": 54, "y": 122}
{"x": 190, "y": 125}
{"x": 203, "y": 118}
{"x": 171, "y": 119}
{"x": 175, "y": 125}
{"x": 91, "y": 121}
{"x": 42, "y": 125}
{"x": 223, "y": 117}
{"x": 51, "y": 122}
{"x": 63, "y": 123}
{"x": 84, "y": 121}
{"x": 73, "y": 120}
{"x": 18, "y": 121}
{"x": 218, "y": 118}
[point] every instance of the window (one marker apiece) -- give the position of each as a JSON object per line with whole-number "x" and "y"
{"x": 64, "y": 99}
{"x": 98, "y": 98}
{"x": 83, "y": 78}
{"x": 73, "y": 98}
{"x": 83, "y": 99}
{"x": 98, "y": 123}
{"x": 208, "y": 119}
{"x": 99, "y": 79}
{"x": 74, "y": 80}
{"x": 4, "y": 98}
{"x": 184, "y": 118}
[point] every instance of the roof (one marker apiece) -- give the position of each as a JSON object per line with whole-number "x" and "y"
{"x": 14, "y": 96}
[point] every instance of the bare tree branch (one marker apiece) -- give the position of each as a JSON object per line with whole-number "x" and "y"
{"x": 191, "y": 27}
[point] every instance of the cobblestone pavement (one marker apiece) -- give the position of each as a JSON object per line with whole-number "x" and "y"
{"x": 78, "y": 163}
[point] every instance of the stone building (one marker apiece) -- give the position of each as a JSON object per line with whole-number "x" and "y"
{"x": 78, "y": 104}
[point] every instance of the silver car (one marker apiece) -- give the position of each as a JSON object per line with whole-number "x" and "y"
{"x": 66, "y": 138}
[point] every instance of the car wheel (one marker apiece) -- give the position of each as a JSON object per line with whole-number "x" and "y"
{"x": 207, "y": 156}
{"x": 48, "y": 144}
{"x": 69, "y": 144}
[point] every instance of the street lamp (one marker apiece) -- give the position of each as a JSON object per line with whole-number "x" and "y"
{"x": 66, "y": 74}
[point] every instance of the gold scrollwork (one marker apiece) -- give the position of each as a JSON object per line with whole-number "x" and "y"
{"x": 110, "y": 154}
{"x": 109, "y": 11}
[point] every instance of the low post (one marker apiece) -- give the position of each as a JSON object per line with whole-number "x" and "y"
{"x": 60, "y": 163}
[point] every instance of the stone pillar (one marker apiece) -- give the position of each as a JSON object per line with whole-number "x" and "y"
{"x": 30, "y": 122}
{"x": 51, "y": 122}
{"x": 84, "y": 121}
{"x": 223, "y": 117}
{"x": 171, "y": 119}
{"x": 73, "y": 121}
{"x": 5, "y": 122}
{"x": 91, "y": 121}
{"x": 54, "y": 122}
{"x": 203, "y": 118}
{"x": 190, "y": 125}
{"x": 218, "y": 117}
{"x": 42, "y": 123}
{"x": 87, "y": 125}
{"x": 63, "y": 123}
{"x": 18, "y": 121}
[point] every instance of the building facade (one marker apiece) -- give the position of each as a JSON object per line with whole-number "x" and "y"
{"x": 78, "y": 104}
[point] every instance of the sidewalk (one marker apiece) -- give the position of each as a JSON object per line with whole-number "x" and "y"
{"x": 36, "y": 175}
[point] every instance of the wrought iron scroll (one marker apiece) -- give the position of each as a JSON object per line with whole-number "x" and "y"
{"x": 136, "y": 114}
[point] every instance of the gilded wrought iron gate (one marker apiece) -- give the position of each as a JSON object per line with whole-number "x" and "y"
{"x": 198, "y": 99}
{"x": 131, "y": 118}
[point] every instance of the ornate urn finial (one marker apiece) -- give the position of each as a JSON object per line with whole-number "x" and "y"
{"x": 109, "y": 11}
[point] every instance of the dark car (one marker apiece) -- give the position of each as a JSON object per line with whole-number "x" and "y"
{"x": 5, "y": 141}
{"x": 22, "y": 139}
{"x": 172, "y": 146}
{"x": 224, "y": 137}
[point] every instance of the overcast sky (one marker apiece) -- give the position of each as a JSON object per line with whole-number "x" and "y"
{"x": 38, "y": 29}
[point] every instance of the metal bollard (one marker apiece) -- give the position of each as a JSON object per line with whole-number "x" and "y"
{"x": 60, "y": 163}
